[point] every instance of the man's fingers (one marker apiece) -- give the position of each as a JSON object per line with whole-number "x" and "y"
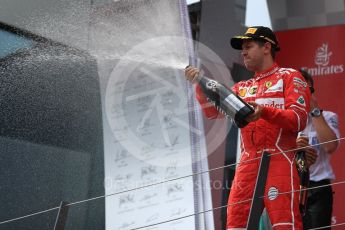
{"x": 252, "y": 103}
{"x": 250, "y": 118}
{"x": 191, "y": 74}
{"x": 302, "y": 142}
{"x": 302, "y": 139}
{"x": 257, "y": 112}
{"x": 310, "y": 161}
{"x": 311, "y": 155}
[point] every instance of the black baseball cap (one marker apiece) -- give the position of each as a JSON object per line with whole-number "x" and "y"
{"x": 255, "y": 33}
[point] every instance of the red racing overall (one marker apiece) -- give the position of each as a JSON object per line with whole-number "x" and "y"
{"x": 285, "y": 96}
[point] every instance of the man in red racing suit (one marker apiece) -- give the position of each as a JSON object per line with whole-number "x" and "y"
{"x": 280, "y": 97}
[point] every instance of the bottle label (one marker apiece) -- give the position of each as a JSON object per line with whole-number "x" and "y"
{"x": 219, "y": 108}
{"x": 235, "y": 102}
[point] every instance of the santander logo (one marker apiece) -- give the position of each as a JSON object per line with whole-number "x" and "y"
{"x": 271, "y": 102}
{"x": 322, "y": 61}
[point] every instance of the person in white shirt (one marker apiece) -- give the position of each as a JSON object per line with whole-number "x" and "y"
{"x": 322, "y": 127}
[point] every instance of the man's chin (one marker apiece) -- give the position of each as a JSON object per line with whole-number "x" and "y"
{"x": 249, "y": 67}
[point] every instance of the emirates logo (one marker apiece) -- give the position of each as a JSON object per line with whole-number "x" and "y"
{"x": 322, "y": 56}
{"x": 323, "y": 65}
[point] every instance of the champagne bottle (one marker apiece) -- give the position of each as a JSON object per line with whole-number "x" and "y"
{"x": 303, "y": 172}
{"x": 225, "y": 100}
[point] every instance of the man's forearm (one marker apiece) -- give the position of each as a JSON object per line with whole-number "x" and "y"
{"x": 325, "y": 134}
{"x": 287, "y": 119}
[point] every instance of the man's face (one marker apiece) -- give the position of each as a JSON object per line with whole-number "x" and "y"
{"x": 253, "y": 55}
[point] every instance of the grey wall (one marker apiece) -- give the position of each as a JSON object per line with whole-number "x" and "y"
{"x": 295, "y": 14}
{"x": 220, "y": 20}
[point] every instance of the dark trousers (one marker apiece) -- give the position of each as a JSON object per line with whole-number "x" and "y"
{"x": 319, "y": 206}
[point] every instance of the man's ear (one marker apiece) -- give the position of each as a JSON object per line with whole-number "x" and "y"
{"x": 268, "y": 47}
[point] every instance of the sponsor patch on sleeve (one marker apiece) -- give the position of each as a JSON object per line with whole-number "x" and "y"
{"x": 301, "y": 100}
{"x": 299, "y": 82}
